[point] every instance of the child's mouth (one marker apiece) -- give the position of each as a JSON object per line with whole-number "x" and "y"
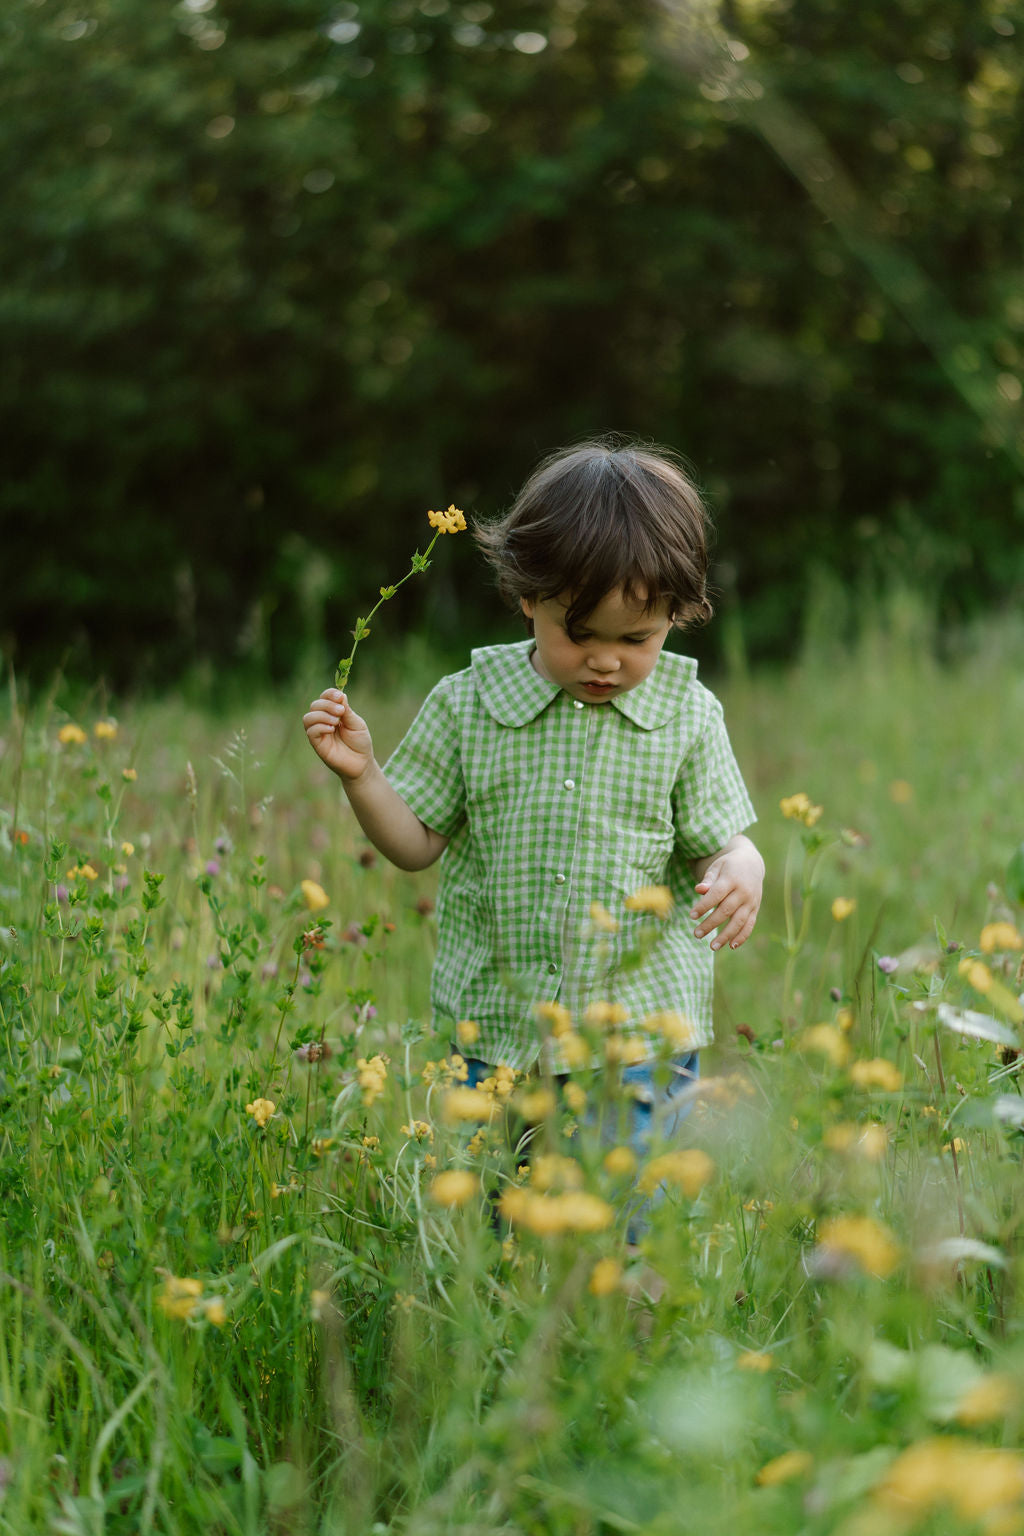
{"x": 599, "y": 687}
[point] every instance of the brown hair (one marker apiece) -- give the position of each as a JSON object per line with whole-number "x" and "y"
{"x": 599, "y": 517}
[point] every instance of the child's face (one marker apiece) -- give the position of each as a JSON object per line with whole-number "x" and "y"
{"x": 616, "y": 648}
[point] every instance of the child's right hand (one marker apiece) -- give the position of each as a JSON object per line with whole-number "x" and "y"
{"x": 338, "y": 735}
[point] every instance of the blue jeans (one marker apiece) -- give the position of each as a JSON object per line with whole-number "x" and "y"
{"x": 659, "y": 1099}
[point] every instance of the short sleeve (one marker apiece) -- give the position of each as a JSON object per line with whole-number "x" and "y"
{"x": 710, "y": 803}
{"x": 426, "y": 766}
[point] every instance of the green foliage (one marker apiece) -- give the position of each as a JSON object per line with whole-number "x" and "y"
{"x": 279, "y": 276}
{"x": 230, "y": 1301}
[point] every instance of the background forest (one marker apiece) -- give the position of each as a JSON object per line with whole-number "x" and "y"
{"x": 280, "y": 274}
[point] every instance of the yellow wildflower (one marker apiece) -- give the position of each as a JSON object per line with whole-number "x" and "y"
{"x": 575, "y": 1050}
{"x": 456, "y": 1065}
{"x": 877, "y": 1073}
{"x": 129, "y": 775}
{"x": 476, "y": 1143}
{"x": 690, "y": 1168}
{"x": 993, "y": 1397}
{"x": 467, "y": 1032}
{"x": 605, "y": 1277}
{"x": 656, "y": 899}
{"x": 372, "y": 1075}
{"x": 977, "y": 973}
{"x": 371, "y": 1143}
{"x": 842, "y": 907}
{"x": 798, "y": 807}
{"x": 71, "y": 735}
{"x": 676, "y": 1028}
{"x": 585, "y": 1213}
{"x": 429, "y": 1160}
{"x": 900, "y": 792}
{"x": 127, "y": 849}
{"x": 754, "y": 1360}
{"x": 826, "y": 1040}
{"x": 974, "y": 1480}
{"x": 501, "y": 1084}
{"x": 620, "y": 1162}
{"x": 450, "y": 521}
{"x": 845, "y": 1019}
{"x": 627, "y": 1050}
{"x": 999, "y": 936}
{"x": 261, "y": 1110}
{"x": 105, "y": 730}
{"x": 575, "y": 1097}
{"x": 468, "y": 1104}
{"x": 606, "y": 1015}
{"x": 314, "y": 895}
{"x": 82, "y": 872}
{"x": 555, "y": 1014}
{"x": 784, "y": 1468}
{"x": 602, "y": 918}
{"x": 862, "y": 1239}
{"x": 869, "y": 1141}
{"x": 418, "y": 1130}
{"x": 454, "y": 1187}
{"x": 180, "y": 1296}
{"x": 550, "y": 1171}
{"x": 574, "y": 1211}
{"x": 277, "y": 1190}
{"x": 216, "y": 1312}
{"x": 536, "y": 1105}
{"x": 321, "y": 1145}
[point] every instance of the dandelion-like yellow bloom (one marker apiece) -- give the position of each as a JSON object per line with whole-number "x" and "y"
{"x": 877, "y": 1073}
{"x": 626, "y": 1050}
{"x": 798, "y": 807}
{"x": 870, "y": 1244}
{"x": 993, "y": 1397}
{"x": 606, "y": 1015}
{"x": 452, "y": 520}
{"x": 261, "y": 1110}
{"x": 372, "y": 1075}
{"x": 180, "y": 1297}
{"x": 536, "y": 1105}
{"x": 620, "y": 1162}
{"x": 105, "y": 730}
{"x": 501, "y": 1084}
{"x": 843, "y": 907}
{"x": 314, "y": 895}
{"x": 756, "y": 1361}
{"x": 656, "y": 899}
{"x": 602, "y": 918}
{"x": 690, "y": 1169}
{"x": 468, "y": 1104}
{"x": 549, "y": 1171}
{"x": 574, "y": 1211}
{"x": 676, "y": 1028}
{"x": 999, "y": 936}
{"x": 71, "y": 736}
{"x": 127, "y": 849}
{"x": 454, "y": 1187}
{"x": 826, "y": 1040}
{"x": 605, "y": 1277}
{"x": 575, "y": 1051}
{"x": 871, "y": 1141}
{"x": 977, "y": 1481}
{"x": 784, "y": 1468}
{"x": 129, "y": 775}
{"x": 555, "y": 1014}
{"x": 575, "y": 1097}
{"x": 467, "y": 1032}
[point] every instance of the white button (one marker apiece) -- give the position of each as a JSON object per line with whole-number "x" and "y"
{"x": 578, "y": 704}
{"x": 568, "y": 783}
{"x": 559, "y": 879}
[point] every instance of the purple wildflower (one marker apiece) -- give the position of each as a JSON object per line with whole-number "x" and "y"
{"x": 887, "y": 964}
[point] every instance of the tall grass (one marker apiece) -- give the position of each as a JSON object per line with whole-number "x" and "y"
{"x": 228, "y": 1318}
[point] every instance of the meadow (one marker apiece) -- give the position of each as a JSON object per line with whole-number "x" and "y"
{"x": 251, "y": 1275}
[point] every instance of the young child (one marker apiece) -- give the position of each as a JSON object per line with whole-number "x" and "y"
{"x": 562, "y": 774}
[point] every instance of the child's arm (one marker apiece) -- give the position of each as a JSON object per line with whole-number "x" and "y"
{"x": 342, "y": 740}
{"x": 729, "y": 887}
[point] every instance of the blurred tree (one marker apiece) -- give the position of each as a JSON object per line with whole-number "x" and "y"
{"x": 279, "y": 275}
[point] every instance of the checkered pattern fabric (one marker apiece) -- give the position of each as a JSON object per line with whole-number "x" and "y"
{"x": 550, "y": 805}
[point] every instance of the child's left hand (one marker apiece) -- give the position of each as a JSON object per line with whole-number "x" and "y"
{"x": 729, "y": 891}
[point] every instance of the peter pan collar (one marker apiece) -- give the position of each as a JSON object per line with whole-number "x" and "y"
{"x": 514, "y": 693}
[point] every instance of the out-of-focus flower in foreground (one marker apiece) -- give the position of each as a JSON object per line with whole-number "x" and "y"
{"x": 314, "y": 895}
{"x": 180, "y": 1296}
{"x": 826, "y": 1040}
{"x": 105, "y": 730}
{"x": 782, "y": 1469}
{"x": 454, "y": 1187}
{"x": 656, "y": 899}
{"x": 605, "y": 1277}
{"x": 877, "y": 1073}
{"x": 71, "y": 735}
{"x": 843, "y": 907}
{"x": 999, "y": 936}
{"x": 868, "y": 1243}
{"x": 978, "y": 1482}
{"x": 888, "y": 964}
{"x": 371, "y": 1074}
{"x": 690, "y": 1169}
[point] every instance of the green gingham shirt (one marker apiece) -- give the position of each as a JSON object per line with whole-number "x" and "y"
{"x": 551, "y": 804}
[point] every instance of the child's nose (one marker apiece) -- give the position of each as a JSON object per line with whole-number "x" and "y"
{"x": 603, "y": 661}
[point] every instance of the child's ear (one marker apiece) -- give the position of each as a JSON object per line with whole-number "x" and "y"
{"x": 527, "y": 605}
